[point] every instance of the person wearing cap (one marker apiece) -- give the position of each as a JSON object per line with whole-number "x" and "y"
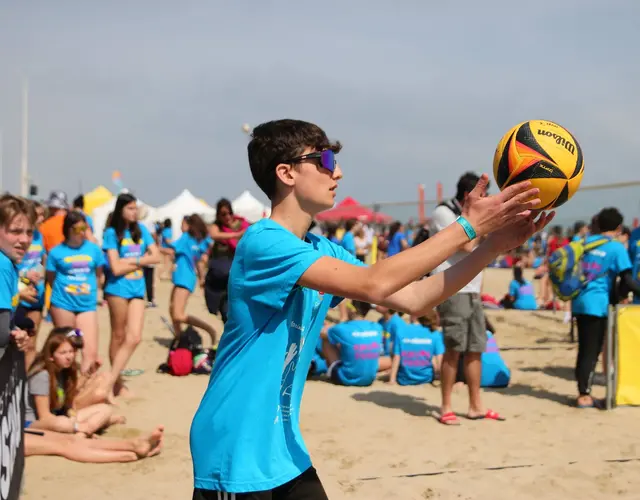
{"x": 51, "y": 229}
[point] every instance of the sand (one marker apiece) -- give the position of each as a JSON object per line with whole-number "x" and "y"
{"x": 381, "y": 442}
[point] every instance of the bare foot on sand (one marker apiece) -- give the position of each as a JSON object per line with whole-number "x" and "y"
{"x": 150, "y": 445}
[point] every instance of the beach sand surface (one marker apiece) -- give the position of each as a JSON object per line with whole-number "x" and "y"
{"x": 383, "y": 442}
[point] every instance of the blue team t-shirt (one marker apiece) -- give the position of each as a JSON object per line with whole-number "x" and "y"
{"x": 601, "y": 265}
{"x": 348, "y": 242}
{"x": 389, "y": 329}
{"x": 395, "y": 244}
{"x": 524, "y": 297}
{"x": 165, "y": 237}
{"x": 245, "y": 435}
{"x": 416, "y": 345}
{"x": 360, "y": 344}
{"x": 33, "y": 261}
{"x": 495, "y": 372}
{"x": 75, "y": 286}
{"x": 189, "y": 251}
{"x": 9, "y": 296}
{"x": 634, "y": 258}
{"x": 129, "y": 286}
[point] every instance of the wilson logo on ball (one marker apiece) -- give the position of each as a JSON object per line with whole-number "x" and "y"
{"x": 551, "y": 159}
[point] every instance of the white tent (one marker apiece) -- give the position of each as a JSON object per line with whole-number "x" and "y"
{"x": 247, "y": 206}
{"x": 183, "y": 204}
{"x": 100, "y": 214}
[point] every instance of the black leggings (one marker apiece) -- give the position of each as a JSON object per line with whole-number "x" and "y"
{"x": 591, "y": 334}
{"x": 148, "y": 281}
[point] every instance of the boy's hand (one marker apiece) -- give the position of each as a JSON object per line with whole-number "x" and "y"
{"x": 515, "y": 234}
{"x": 489, "y": 213}
{"x": 29, "y": 294}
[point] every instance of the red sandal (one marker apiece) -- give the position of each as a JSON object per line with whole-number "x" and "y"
{"x": 449, "y": 418}
{"x": 489, "y": 415}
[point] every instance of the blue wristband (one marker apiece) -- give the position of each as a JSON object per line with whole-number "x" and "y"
{"x": 468, "y": 228}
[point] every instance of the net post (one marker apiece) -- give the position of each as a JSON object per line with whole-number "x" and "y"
{"x": 611, "y": 355}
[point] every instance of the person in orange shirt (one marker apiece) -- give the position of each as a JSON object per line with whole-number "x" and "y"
{"x": 51, "y": 229}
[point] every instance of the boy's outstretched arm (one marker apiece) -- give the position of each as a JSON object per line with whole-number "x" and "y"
{"x": 385, "y": 282}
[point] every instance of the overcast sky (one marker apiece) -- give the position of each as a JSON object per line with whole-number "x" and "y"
{"x": 418, "y": 91}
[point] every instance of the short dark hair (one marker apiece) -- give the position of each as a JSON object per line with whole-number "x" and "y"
{"x": 466, "y": 183}
{"x": 78, "y": 202}
{"x": 277, "y": 142}
{"x": 362, "y": 308}
{"x": 70, "y": 220}
{"x": 609, "y": 219}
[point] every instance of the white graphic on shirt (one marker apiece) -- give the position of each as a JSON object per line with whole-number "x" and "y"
{"x": 300, "y": 325}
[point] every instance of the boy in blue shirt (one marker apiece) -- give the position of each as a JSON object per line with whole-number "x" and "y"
{"x": 353, "y": 349}
{"x": 602, "y": 266}
{"x": 245, "y": 437}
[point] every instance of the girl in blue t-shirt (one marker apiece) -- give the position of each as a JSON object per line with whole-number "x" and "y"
{"x": 521, "y": 293}
{"x": 74, "y": 268}
{"x": 396, "y": 240}
{"x": 31, "y": 270}
{"x": 129, "y": 247}
{"x": 189, "y": 251}
{"x": 165, "y": 239}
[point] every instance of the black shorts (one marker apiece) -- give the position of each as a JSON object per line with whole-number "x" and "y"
{"x": 306, "y": 486}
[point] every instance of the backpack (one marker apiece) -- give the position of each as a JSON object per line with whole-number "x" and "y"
{"x": 186, "y": 355}
{"x": 567, "y": 276}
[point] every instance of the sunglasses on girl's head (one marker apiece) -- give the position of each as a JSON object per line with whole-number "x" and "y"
{"x": 327, "y": 159}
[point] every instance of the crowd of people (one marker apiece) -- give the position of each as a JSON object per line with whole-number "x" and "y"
{"x": 272, "y": 284}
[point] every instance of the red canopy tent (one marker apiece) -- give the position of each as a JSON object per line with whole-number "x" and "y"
{"x": 350, "y": 209}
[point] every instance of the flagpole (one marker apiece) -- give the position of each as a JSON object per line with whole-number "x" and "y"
{"x": 24, "y": 163}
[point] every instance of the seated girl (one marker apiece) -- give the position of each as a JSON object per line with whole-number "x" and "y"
{"x": 495, "y": 372}
{"x": 390, "y": 322}
{"x": 417, "y": 353}
{"x": 521, "y": 293}
{"x": 353, "y": 349}
{"x": 53, "y": 386}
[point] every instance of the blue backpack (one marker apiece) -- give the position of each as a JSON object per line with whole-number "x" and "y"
{"x": 565, "y": 268}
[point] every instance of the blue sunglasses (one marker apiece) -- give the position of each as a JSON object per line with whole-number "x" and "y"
{"x": 327, "y": 159}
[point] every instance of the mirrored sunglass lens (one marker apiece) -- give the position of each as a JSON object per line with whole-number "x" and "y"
{"x": 328, "y": 160}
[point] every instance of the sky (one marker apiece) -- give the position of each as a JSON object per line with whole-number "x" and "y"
{"x": 417, "y": 91}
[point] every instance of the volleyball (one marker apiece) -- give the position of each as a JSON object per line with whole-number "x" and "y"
{"x": 544, "y": 153}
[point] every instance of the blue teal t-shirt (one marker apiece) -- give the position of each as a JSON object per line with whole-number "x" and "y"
{"x": 129, "y": 286}
{"x": 389, "y": 329}
{"x": 165, "y": 237}
{"x": 395, "y": 244}
{"x": 416, "y": 345}
{"x": 495, "y": 372}
{"x": 75, "y": 286}
{"x": 601, "y": 265}
{"x": 245, "y": 435}
{"x": 33, "y": 261}
{"x": 360, "y": 344}
{"x": 524, "y": 297}
{"x": 348, "y": 242}
{"x": 9, "y": 296}
{"x": 189, "y": 251}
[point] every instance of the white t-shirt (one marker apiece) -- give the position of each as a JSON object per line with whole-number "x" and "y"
{"x": 442, "y": 217}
